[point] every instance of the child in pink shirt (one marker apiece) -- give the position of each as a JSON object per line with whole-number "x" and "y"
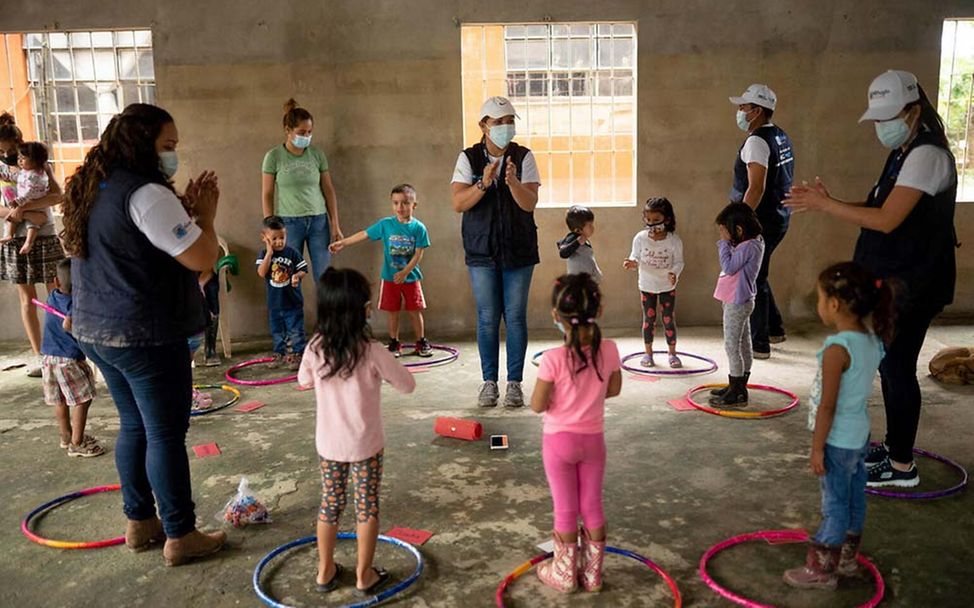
{"x": 573, "y": 383}
{"x": 346, "y": 368}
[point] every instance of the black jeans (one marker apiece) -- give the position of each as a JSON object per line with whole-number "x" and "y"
{"x": 766, "y": 318}
{"x": 898, "y": 373}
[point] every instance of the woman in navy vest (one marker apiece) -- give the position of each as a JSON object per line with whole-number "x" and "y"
{"x": 907, "y": 238}
{"x": 495, "y": 187}
{"x": 762, "y": 177}
{"x": 136, "y": 301}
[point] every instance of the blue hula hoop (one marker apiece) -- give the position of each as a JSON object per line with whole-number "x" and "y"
{"x": 371, "y": 601}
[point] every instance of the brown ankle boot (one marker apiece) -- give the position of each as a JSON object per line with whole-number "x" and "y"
{"x": 818, "y": 571}
{"x": 140, "y": 533}
{"x": 195, "y": 544}
{"x": 848, "y": 559}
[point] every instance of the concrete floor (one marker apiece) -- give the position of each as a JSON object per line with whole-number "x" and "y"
{"x": 677, "y": 483}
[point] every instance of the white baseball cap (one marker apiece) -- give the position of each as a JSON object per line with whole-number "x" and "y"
{"x": 497, "y": 107}
{"x": 759, "y": 95}
{"x": 889, "y": 93}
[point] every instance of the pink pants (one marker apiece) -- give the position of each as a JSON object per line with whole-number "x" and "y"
{"x": 575, "y": 466}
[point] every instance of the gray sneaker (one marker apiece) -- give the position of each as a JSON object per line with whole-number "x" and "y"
{"x": 514, "y": 397}
{"x": 488, "y": 394}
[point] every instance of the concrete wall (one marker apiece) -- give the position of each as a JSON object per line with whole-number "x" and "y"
{"x": 383, "y": 81}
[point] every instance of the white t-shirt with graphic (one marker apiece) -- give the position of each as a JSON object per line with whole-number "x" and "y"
{"x": 657, "y": 259}
{"x": 463, "y": 173}
{"x": 160, "y": 216}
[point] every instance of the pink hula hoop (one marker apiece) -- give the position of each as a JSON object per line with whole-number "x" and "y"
{"x": 230, "y": 377}
{"x": 49, "y": 309}
{"x": 793, "y": 536}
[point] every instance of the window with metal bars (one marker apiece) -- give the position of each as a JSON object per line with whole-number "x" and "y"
{"x": 574, "y": 87}
{"x": 74, "y": 82}
{"x": 956, "y": 99}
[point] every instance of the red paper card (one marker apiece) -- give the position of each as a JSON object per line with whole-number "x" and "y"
{"x": 298, "y": 387}
{"x": 681, "y": 404}
{"x": 413, "y": 537}
{"x": 209, "y": 449}
{"x": 249, "y": 406}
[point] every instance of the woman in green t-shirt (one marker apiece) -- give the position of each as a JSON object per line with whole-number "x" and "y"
{"x": 306, "y": 198}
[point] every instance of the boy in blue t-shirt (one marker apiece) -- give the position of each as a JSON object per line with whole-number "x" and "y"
{"x": 404, "y": 239}
{"x": 283, "y": 268}
{"x": 69, "y": 384}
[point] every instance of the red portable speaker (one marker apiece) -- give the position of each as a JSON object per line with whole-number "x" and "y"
{"x": 458, "y": 428}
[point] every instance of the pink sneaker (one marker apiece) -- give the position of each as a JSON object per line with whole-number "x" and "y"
{"x": 592, "y": 554}
{"x": 560, "y": 572}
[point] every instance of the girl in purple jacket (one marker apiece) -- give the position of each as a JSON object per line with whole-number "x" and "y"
{"x": 740, "y": 250}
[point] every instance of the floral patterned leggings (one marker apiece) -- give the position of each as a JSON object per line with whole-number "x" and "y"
{"x": 365, "y": 476}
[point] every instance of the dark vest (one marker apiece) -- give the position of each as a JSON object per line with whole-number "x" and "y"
{"x": 920, "y": 251}
{"x": 127, "y": 292}
{"x": 777, "y": 181}
{"x": 496, "y": 232}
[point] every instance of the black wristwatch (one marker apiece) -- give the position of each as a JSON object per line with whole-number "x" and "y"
{"x": 481, "y": 186}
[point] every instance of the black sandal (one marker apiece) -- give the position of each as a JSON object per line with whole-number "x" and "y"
{"x": 333, "y": 583}
{"x": 372, "y": 589}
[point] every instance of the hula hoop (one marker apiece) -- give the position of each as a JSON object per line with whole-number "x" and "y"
{"x": 781, "y": 536}
{"x": 371, "y": 601}
{"x": 234, "y": 397}
{"x": 650, "y": 371}
{"x": 451, "y": 356}
{"x": 926, "y": 495}
{"x": 677, "y": 599}
{"x": 536, "y": 358}
{"x": 741, "y": 413}
{"x": 282, "y": 380}
{"x": 48, "y": 309}
{"x": 69, "y": 544}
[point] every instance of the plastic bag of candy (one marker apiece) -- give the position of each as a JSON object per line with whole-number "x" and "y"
{"x": 245, "y": 508}
{"x": 201, "y": 400}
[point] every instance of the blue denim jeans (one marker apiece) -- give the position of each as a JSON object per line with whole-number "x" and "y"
{"x": 501, "y": 294}
{"x": 152, "y": 390}
{"x": 287, "y": 328}
{"x": 315, "y": 232}
{"x": 843, "y": 495}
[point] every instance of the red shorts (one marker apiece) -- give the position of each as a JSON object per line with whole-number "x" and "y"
{"x": 392, "y": 296}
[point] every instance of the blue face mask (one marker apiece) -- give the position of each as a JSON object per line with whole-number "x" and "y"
{"x": 560, "y": 326}
{"x": 300, "y": 141}
{"x": 168, "y": 163}
{"x": 502, "y": 135}
{"x": 742, "y": 122}
{"x": 892, "y": 133}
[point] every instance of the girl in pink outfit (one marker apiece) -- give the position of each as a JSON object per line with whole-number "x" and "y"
{"x": 346, "y": 368}
{"x": 573, "y": 383}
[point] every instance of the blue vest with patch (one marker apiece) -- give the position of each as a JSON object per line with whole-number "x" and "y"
{"x": 127, "y": 292}
{"x": 777, "y": 181}
{"x": 496, "y": 232}
{"x": 919, "y": 253}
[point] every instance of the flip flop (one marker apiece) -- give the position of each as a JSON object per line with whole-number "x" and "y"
{"x": 378, "y": 584}
{"x": 333, "y": 583}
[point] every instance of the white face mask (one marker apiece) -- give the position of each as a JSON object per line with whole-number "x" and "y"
{"x": 502, "y": 135}
{"x": 742, "y": 122}
{"x": 893, "y": 133}
{"x": 168, "y": 163}
{"x": 560, "y": 326}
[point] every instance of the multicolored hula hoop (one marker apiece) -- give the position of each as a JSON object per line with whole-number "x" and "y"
{"x": 69, "y": 544}
{"x": 230, "y": 377}
{"x": 926, "y": 495}
{"x": 451, "y": 356}
{"x": 742, "y": 413}
{"x": 372, "y": 601}
{"x": 536, "y": 358}
{"x": 520, "y": 570}
{"x": 777, "y": 536}
{"x": 234, "y": 397}
{"x": 654, "y": 371}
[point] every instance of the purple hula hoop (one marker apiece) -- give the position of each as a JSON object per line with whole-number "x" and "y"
{"x": 452, "y": 354}
{"x": 933, "y": 493}
{"x": 230, "y": 377}
{"x": 652, "y": 371}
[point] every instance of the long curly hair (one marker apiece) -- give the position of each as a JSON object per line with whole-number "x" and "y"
{"x": 129, "y": 143}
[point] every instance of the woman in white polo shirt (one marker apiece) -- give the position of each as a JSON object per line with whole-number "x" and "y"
{"x": 907, "y": 238}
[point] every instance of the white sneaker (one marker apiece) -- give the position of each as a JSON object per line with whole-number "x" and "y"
{"x": 489, "y": 394}
{"x": 514, "y": 397}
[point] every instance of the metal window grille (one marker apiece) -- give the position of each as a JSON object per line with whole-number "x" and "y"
{"x": 574, "y": 85}
{"x": 79, "y": 80}
{"x": 956, "y": 99}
